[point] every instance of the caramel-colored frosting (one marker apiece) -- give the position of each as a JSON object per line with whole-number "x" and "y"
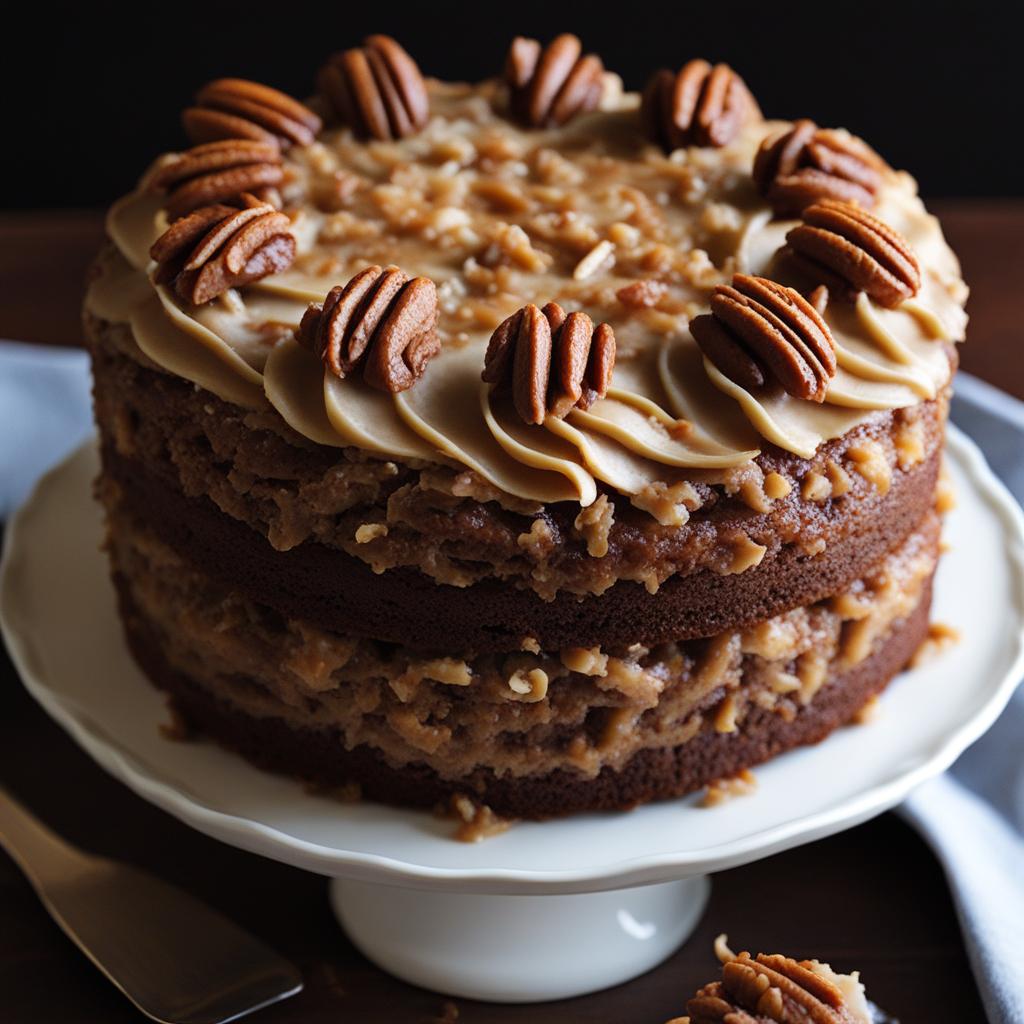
{"x": 500, "y": 216}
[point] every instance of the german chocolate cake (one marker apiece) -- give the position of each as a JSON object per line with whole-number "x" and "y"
{"x": 531, "y": 441}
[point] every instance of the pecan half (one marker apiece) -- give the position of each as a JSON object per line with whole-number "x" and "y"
{"x": 758, "y": 328}
{"x": 381, "y": 323}
{"x": 769, "y": 989}
{"x": 217, "y": 172}
{"x": 234, "y": 108}
{"x": 377, "y": 89}
{"x": 553, "y": 361}
{"x": 845, "y": 248}
{"x": 807, "y": 163}
{"x": 699, "y": 105}
{"x": 550, "y": 85}
{"x": 214, "y": 248}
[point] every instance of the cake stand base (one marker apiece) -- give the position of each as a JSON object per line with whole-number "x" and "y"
{"x": 518, "y": 949}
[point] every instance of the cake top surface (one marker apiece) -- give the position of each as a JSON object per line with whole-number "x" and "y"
{"x": 695, "y": 253}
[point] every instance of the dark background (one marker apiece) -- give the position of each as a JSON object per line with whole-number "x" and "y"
{"x": 93, "y": 92}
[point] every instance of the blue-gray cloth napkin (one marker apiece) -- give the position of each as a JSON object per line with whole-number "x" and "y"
{"x": 973, "y": 816}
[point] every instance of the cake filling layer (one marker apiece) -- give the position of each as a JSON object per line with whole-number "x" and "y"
{"x": 855, "y": 499}
{"x": 518, "y": 715}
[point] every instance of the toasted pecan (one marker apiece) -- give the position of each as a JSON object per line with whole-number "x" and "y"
{"x": 758, "y": 328}
{"x": 805, "y": 164}
{"x": 204, "y": 253}
{"x": 762, "y": 989}
{"x": 218, "y": 172}
{"x": 235, "y": 108}
{"x": 550, "y": 85}
{"x": 845, "y": 248}
{"x": 553, "y": 361}
{"x": 699, "y": 105}
{"x": 381, "y": 323}
{"x": 377, "y": 89}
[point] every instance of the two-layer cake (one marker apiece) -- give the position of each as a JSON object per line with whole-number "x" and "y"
{"x": 529, "y": 440}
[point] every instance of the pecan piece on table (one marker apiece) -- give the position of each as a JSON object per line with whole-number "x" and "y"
{"x": 376, "y": 89}
{"x": 218, "y": 172}
{"x": 806, "y": 163}
{"x": 550, "y": 85}
{"x": 848, "y": 250}
{"x": 758, "y": 328}
{"x": 206, "y": 252}
{"x": 234, "y": 108}
{"x": 769, "y": 988}
{"x": 553, "y": 361}
{"x": 381, "y": 323}
{"x": 699, "y": 105}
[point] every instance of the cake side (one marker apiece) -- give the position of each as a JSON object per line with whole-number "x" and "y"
{"x": 575, "y": 721}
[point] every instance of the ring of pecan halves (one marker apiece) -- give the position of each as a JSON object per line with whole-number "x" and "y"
{"x": 806, "y": 164}
{"x": 377, "y": 89}
{"x": 758, "y": 329}
{"x": 234, "y": 108}
{"x": 550, "y": 85}
{"x": 217, "y": 247}
{"x": 218, "y": 172}
{"x": 699, "y": 105}
{"x": 848, "y": 250}
{"x": 554, "y": 362}
{"x": 381, "y": 324}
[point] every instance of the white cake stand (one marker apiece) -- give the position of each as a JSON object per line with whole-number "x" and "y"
{"x": 545, "y": 910}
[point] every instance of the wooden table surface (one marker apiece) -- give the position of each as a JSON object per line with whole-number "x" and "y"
{"x": 872, "y": 898}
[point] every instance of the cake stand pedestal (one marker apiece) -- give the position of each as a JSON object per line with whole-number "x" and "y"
{"x": 546, "y": 909}
{"x": 518, "y": 949}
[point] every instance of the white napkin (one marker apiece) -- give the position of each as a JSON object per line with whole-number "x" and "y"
{"x": 45, "y": 412}
{"x": 973, "y": 816}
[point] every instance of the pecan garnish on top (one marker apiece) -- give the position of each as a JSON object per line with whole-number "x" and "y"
{"x": 762, "y": 989}
{"x": 699, "y": 105}
{"x": 806, "y": 163}
{"x": 553, "y": 361}
{"x": 848, "y": 250}
{"x": 550, "y": 85}
{"x": 759, "y": 329}
{"x": 376, "y": 89}
{"x": 218, "y": 172}
{"x": 234, "y": 108}
{"x": 214, "y": 248}
{"x": 381, "y": 323}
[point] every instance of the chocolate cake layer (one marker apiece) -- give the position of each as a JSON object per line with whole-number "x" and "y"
{"x": 334, "y": 591}
{"x": 319, "y": 755}
{"x": 765, "y": 525}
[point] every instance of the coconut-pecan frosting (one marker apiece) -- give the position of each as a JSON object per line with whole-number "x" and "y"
{"x": 848, "y": 250}
{"x": 377, "y": 89}
{"x": 758, "y": 328}
{"x": 218, "y": 172}
{"x": 550, "y": 85}
{"x": 553, "y": 361}
{"x": 806, "y": 163}
{"x": 217, "y": 247}
{"x": 234, "y": 108}
{"x": 381, "y": 322}
{"x": 699, "y": 105}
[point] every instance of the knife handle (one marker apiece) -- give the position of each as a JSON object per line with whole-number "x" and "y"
{"x": 41, "y": 854}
